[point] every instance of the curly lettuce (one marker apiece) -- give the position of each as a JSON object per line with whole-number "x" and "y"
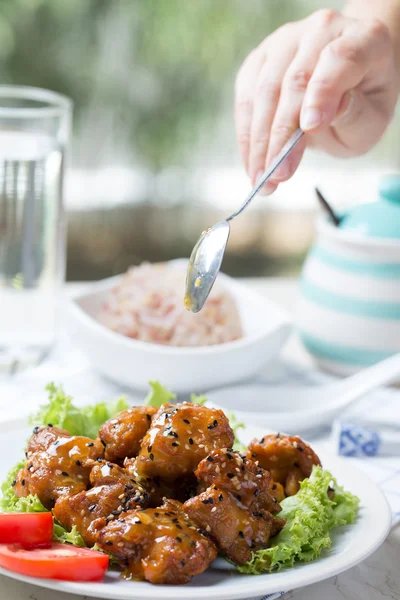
{"x": 158, "y": 395}
{"x": 310, "y": 516}
{"x": 61, "y": 412}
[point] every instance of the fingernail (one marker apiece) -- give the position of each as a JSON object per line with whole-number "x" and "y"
{"x": 257, "y": 177}
{"x": 311, "y": 118}
{"x": 283, "y": 171}
{"x": 268, "y": 189}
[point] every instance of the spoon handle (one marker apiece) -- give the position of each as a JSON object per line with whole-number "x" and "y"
{"x": 287, "y": 148}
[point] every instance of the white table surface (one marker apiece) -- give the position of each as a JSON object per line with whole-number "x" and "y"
{"x": 377, "y": 578}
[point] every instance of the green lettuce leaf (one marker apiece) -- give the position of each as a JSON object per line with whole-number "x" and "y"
{"x": 67, "y": 537}
{"x": 310, "y": 515}
{"x": 198, "y": 399}
{"x": 158, "y": 395}
{"x": 60, "y": 411}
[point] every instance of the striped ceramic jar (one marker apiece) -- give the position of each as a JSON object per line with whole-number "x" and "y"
{"x": 349, "y": 309}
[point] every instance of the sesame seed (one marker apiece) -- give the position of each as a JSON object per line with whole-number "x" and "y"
{"x": 30, "y": 467}
{"x": 229, "y": 456}
{"x": 64, "y": 473}
{"x": 274, "y": 486}
{"x": 14, "y": 482}
{"x": 223, "y": 465}
{"x": 183, "y": 562}
{"x": 256, "y": 492}
{"x": 36, "y": 429}
{"x": 214, "y": 509}
{"x": 149, "y": 448}
{"x": 230, "y": 475}
{"x": 23, "y": 482}
{"x": 191, "y": 441}
{"x": 137, "y": 522}
{"x": 49, "y": 424}
{"x": 120, "y": 544}
{"x": 90, "y": 444}
{"x": 300, "y": 448}
{"x": 220, "y": 497}
{"x": 178, "y": 539}
{"x": 178, "y": 526}
{"x": 115, "y": 512}
{"x": 259, "y": 476}
{"x": 210, "y": 459}
{"x": 201, "y": 446}
{"x": 99, "y": 459}
{"x": 151, "y": 456}
{"x": 241, "y": 534}
{"x": 148, "y": 417}
{"x": 294, "y": 444}
{"x": 296, "y": 464}
{"x": 208, "y": 528}
{"x": 237, "y": 470}
{"x": 78, "y": 463}
{"x": 108, "y": 543}
{"x": 91, "y": 507}
{"x": 186, "y": 421}
{"x": 175, "y": 444}
{"x": 173, "y": 433}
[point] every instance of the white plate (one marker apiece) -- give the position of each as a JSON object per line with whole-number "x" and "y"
{"x": 351, "y": 545}
{"x": 133, "y": 363}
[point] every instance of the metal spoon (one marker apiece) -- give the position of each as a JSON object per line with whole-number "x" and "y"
{"x": 206, "y": 258}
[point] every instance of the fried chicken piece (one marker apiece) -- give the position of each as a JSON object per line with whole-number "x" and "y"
{"x": 226, "y": 469}
{"x": 115, "y": 491}
{"x": 159, "y": 545}
{"x": 42, "y": 437}
{"x": 236, "y": 506}
{"x": 235, "y": 529}
{"x": 158, "y": 488}
{"x": 63, "y": 468}
{"x": 180, "y": 436}
{"x": 287, "y": 458}
{"x": 123, "y": 433}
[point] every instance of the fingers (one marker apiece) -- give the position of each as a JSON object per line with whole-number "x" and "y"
{"x": 343, "y": 65}
{"x": 246, "y": 82}
{"x": 324, "y": 27}
{"x": 266, "y": 98}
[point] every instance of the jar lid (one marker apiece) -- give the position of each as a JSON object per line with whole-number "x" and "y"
{"x": 380, "y": 219}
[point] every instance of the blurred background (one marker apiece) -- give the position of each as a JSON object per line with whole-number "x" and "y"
{"x": 153, "y": 159}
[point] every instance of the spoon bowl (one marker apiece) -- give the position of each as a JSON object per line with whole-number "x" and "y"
{"x": 204, "y": 265}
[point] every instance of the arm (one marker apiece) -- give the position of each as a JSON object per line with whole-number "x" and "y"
{"x": 335, "y": 74}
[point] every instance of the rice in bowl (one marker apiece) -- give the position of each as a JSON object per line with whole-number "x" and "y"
{"x": 147, "y": 305}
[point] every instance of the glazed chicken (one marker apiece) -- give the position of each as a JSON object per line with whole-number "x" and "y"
{"x": 287, "y": 458}
{"x": 235, "y": 508}
{"x": 42, "y": 437}
{"x": 159, "y": 488}
{"x": 124, "y": 491}
{"x": 114, "y": 492}
{"x": 160, "y": 545}
{"x": 62, "y": 468}
{"x": 123, "y": 434}
{"x": 180, "y": 436}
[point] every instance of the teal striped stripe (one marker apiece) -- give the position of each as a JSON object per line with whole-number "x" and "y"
{"x": 350, "y": 306}
{"x": 358, "y": 267}
{"x": 344, "y": 354}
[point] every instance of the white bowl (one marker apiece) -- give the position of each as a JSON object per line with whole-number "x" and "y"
{"x": 133, "y": 363}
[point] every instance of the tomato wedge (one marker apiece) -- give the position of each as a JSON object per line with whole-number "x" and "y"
{"x": 28, "y": 529}
{"x": 60, "y": 561}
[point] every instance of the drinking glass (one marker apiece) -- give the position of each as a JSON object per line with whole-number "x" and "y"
{"x": 34, "y": 132}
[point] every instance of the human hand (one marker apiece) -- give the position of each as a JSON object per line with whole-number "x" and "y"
{"x": 333, "y": 75}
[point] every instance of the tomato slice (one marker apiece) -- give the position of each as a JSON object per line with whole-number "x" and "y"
{"x": 28, "y": 529}
{"x": 60, "y": 561}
